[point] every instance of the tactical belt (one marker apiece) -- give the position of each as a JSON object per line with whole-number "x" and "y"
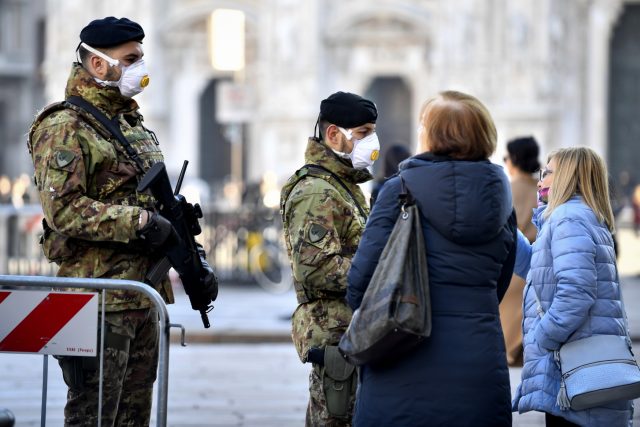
{"x": 131, "y": 247}
{"x": 303, "y": 298}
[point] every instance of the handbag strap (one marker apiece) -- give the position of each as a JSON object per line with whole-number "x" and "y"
{"x": 405, "y": 198}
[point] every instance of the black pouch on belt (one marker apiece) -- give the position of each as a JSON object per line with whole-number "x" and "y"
{"x": 75, "y": 370}
{"x": 338, "y": 382}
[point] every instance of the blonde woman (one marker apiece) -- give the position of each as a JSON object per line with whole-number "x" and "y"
{"x": 573, "y": 272}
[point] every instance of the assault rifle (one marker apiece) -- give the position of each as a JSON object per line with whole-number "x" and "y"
{"x": 186, "y": 256}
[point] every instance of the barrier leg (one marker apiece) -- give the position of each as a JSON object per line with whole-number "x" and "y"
{"x": 102, "y": 350}
{"x": 45, "y": 381}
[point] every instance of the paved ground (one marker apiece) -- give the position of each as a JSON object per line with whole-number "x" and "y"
{"x": 251, "y": 376}
{"x": 248, "y": 385}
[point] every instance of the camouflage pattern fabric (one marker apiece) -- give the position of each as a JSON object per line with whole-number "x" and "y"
{"x": 317, "y": 414}
{"x": 129, "y": 374}
{"x": 87, "y": 186}
{"x": 322, "y": 228}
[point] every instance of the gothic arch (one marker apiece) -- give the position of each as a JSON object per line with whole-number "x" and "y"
{"x": 388, "y": 42}
{"x": 416, "y": 19}
{"x": 188, "y": 74}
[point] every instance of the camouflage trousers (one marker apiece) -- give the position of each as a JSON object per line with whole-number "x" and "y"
{"x": 317, "y": 413}
{"x": 129, "y": 371}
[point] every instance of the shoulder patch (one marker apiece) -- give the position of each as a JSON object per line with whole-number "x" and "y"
{"x": 317, "y": 233}
{"x": 63, "y": 158}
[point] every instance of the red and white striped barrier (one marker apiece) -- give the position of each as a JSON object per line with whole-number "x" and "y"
{"x": 57, "y": 323}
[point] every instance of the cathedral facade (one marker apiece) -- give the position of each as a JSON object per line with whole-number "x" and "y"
{"x": 562, "y": 71}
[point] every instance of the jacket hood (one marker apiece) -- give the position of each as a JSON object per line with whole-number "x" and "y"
{"x": 469, "y": 202}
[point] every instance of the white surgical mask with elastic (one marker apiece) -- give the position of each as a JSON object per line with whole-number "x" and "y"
{"x": 365, "y": 151}
{"x": 133, "y": 78}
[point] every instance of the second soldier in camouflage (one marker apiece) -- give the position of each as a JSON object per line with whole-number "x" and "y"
{"x": 324, "y": 214}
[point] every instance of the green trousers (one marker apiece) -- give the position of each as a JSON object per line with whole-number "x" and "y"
{"x": 130, "y": 365}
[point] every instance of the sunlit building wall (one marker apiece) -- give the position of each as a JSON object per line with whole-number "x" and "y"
{"x": 21, "y": 81}
{"x": 541, "y": 66}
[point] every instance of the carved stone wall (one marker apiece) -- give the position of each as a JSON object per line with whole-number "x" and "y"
{"x": 539, "y": 65}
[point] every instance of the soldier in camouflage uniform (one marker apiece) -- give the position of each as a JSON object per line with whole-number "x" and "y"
{"x": 324, "y": 213}
{"x": 97, "y": 225}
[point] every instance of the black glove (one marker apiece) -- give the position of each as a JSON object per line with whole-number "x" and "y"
{"x": 209, "y": 280}
{"x": 316, "y": 355}
{"x": 158, "y": 232}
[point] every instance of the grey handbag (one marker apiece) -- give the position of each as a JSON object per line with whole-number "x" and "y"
{"x": 596, "y": 370}
{"x": 395, "y": 314}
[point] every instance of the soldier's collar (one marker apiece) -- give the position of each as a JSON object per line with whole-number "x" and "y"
{"x": 108, "y": 99}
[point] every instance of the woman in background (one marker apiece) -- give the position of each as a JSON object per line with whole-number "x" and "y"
{"x": 521, "y": 162}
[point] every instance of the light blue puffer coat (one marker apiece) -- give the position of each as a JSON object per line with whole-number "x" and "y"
{"x": 573, "y": 271}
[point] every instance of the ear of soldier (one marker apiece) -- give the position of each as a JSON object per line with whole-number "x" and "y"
{"x": 124, "y": 68}
{"x": 352, "y": 118}
{"x": 134, "y": 77}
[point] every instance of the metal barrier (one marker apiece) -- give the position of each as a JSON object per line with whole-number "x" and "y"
{"x": 105, "y": 285}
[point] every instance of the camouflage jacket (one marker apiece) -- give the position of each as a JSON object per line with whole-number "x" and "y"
{"x": 322, "y": 227}
{"x": 87, "y": 185}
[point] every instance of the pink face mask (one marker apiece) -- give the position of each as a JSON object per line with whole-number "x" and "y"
{"x": 543, "y": 196}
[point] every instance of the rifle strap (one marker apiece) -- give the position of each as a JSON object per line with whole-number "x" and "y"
{"x": 110, "y": 125}
{"x": 160, "y": 269}
{"x": 342, "y": 184}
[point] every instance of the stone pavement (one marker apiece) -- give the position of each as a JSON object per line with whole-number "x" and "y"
{"x": 209, "y": 385}
{"x": 243, "y": 385}
{"x": 242, "y": 313}
{"x": 252, "y": 375}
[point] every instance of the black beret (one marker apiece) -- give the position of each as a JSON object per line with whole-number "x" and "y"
{"x": 110, "y": 31}
{"x": 348, "y": 110}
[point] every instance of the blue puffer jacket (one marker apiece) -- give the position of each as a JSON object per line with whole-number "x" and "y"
{"x": 573, "y": 272}
{"x": 458, "y": 376}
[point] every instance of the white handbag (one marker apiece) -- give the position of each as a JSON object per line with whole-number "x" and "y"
{"x": 596, "y": 370}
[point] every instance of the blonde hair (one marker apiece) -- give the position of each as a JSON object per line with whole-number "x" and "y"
{"x": 458, "y": 125}
{"x": 579, "y": 170}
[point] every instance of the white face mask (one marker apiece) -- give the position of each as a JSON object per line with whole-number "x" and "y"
{"x": 133, "y": 78}
{"x": 365, "y": 151}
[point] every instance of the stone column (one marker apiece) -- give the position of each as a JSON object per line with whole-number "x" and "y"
{"x": 287, "y": 86}
{"x": 602, "y": 17}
